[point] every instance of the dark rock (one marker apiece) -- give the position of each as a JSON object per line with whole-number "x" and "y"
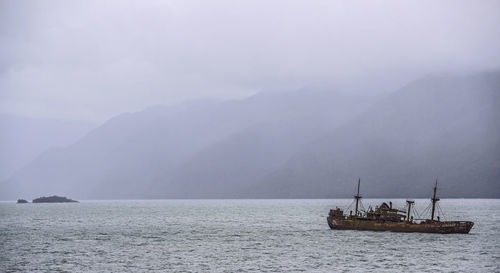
{"x": 53, "y": 199}
{"x": 22, "y": 201}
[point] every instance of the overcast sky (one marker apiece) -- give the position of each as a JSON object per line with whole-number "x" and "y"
{"x": 90, "y": 60}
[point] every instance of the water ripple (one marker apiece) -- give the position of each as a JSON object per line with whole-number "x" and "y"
{"x": 233, "y": 236}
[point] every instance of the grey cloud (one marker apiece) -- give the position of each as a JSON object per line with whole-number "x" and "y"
{"x": 93, "y": 59}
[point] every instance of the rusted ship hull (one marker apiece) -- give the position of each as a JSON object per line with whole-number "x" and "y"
{"x": 426, "y": 227}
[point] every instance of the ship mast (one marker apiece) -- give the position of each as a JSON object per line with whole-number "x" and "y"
{"x": 434, "y": 201}
{"x": 357, "y": 197}
{"x": 409, "y": 208}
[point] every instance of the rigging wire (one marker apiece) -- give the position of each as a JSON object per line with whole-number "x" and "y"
{"x": 427, "y": 209}
{"x": 350, "y": 206}
{"x": 415, "y": 212}
{"x": 361, "y": 207}
{"x": 441, "y": 213}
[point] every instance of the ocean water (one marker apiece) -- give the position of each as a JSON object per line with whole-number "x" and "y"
{"x": 235, "y": 236}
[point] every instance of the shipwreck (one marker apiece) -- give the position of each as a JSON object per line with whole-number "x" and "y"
{"x": 387, "y": 218}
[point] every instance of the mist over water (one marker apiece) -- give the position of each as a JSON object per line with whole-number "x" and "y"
{"x": 235, "y": 235}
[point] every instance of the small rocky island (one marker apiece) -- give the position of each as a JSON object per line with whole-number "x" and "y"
{"x": 53, "y": 199}
{"x": 22, "y": 201}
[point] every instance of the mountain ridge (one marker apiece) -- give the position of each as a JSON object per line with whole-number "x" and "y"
{"x": 123, "y": 157}
{"x": 414, "y": 147}
{"x": 301, "y": 144}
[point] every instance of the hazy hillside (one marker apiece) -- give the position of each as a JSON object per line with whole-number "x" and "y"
{"x": 289, "y": 144}
{"x": 141, "y": 154}
{"x": 445, "y": 126}
{"x": 23, "y": 139}
{"x": 227, "y": 167}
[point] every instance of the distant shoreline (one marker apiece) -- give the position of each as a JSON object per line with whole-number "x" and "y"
{"x": 194, "y": 199}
